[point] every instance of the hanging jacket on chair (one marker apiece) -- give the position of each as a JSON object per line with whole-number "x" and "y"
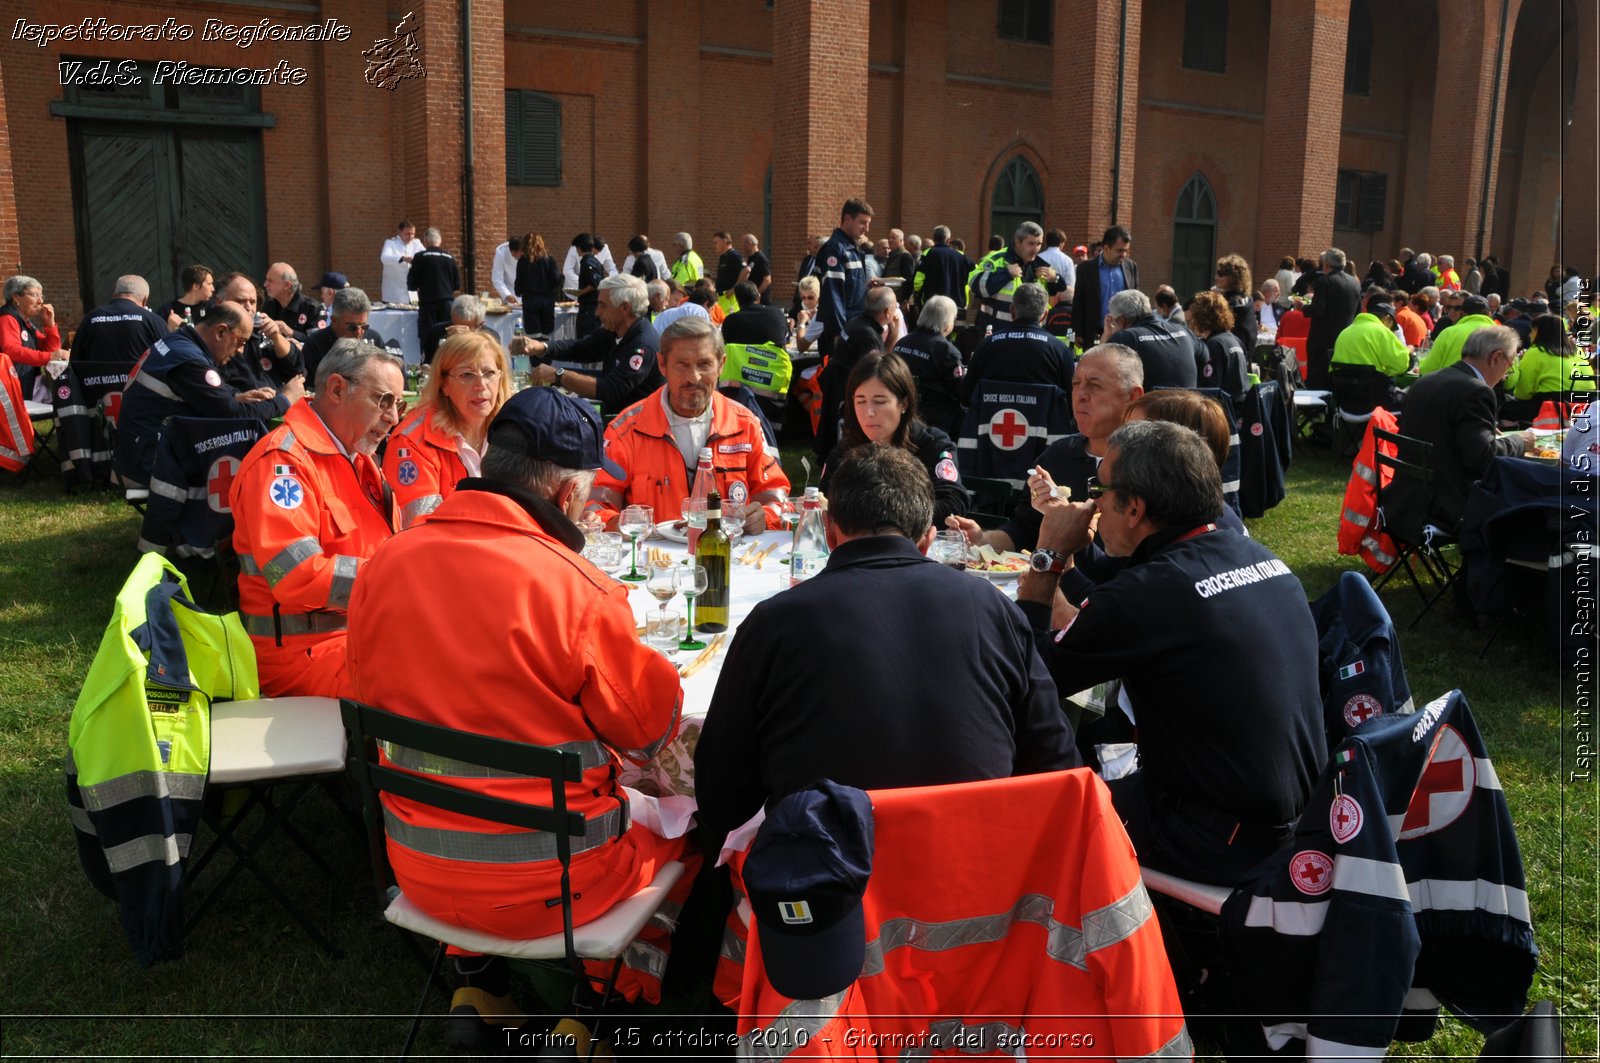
{"x": 1361, "y": 672}
{"x": 140, "y": 747}
{"x": 1359, "y": 532}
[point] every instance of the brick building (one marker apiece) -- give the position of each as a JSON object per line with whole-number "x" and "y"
{"x": 1265, "y": 127}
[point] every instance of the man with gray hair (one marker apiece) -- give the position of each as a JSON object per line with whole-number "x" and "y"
{"x": 1454, "y": 409}
{"x": 287, "y": 303}
{"x": 1171, "y": 353}
{"x": 347, "y": 321}
{"x": 436, "y": 279}
{"x": 310, "y": 506}
{"x": 1335, "y": 298}
{"x": 467, "y": 312}
{"x": 1224, "y": 768}
{"x": 936, "y": 365}
{"x": 112, "y": 337}
{"x": 1021, "y": 351}
{"x": 618, "y": 358}
{"x": 1007, "y": 272}
{"x": 687, "y": 268}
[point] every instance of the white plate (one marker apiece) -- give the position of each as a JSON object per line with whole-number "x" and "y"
{"x": 995, "y": 577}
{"x": 673, "y": 531}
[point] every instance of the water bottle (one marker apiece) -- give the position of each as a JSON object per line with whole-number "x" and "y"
{"x": 705, "y": 484}
{"x": 809, "y": 553}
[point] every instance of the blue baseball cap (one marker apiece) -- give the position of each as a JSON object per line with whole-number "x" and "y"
{"x": 334, "y": 280}
{"x": 561, "y": 429}
{"x": 805, "y": 876}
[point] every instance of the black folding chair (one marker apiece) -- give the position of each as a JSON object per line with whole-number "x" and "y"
{"x": 605, "y": 938}
{"x": 1412, "y": 461}
{"x": 995, "y": 499}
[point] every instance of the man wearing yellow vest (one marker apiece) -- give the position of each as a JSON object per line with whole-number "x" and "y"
{"x": 1447, "y": 345}
{"x": 687, "y": 268}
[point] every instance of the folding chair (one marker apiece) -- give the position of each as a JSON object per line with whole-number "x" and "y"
{"x": 996, "y": 498}
{"x": 1412, "y": 460}
{"x": 1312, "y": 407}
{"x": 278, "y": 751}
{"x": 43, "y": 416}
{"x": 603, "y": 939}
{"x": 1357, "y": 390}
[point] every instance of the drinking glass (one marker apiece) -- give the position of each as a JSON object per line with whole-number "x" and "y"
{"x": 636, "y": 522}
{"x": 950, "y": 548}
{"x": 694, "y": 516}
{"x": 662, "y": 583}
{"x": 789, "y": 514}
{"x": 604, "y": 551}
{"x": 661, "y": 631}
{"x": 733, "y": 520}
{"x": 692, "y": 581}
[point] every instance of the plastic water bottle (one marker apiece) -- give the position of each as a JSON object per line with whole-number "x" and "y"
{"x": 704, "y": 484}
{"x": 810, "y": 550}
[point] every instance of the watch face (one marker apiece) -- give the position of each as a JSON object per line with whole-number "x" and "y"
{"x": 1041, "y": 560}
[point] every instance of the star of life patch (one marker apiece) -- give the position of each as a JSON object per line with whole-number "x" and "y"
{"x": 286, "y": 492}
{"x": 407, "y": 473}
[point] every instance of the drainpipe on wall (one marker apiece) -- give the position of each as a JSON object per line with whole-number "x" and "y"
{"x": 1494, "y": 126}
{"x": 468, "y": 240}
{"x": 1116, "y": 158}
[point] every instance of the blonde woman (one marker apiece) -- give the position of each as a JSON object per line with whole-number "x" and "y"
{"x": 443, "y": 439}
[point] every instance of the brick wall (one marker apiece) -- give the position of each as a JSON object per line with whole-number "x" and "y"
{"x": 10, "y": 245}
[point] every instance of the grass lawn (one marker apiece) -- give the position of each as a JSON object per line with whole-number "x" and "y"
{"x": 253, "y": 984}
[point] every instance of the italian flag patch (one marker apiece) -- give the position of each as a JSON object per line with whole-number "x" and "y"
{"x": 1350, "y": 671}
{"x": 1344, "y": 756}
{"x": 287, "y": 470}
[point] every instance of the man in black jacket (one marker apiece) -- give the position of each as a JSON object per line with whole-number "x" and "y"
{"x": 1171, "y": 353}
{"x": 1109, "y": 272}
{"x": 114, "y": 336}
{"x": 942, "y": 271}
{"x": 1335, "y": 298}
{"x": 953, "y": 690}
{"x": 624, "y": 345}
{"x": 1454, "y": 409}
{"x": 436, "y": 279}
{"x": 348, "y": 321}
{"x": 1225, "y": 769}
{"x": 287, "y": 303}
{"x": 754, "y": 322}
{"x": 1414, "y": 275}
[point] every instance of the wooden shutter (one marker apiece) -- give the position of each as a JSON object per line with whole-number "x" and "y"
{"x": 1374, "y": 199}
{"x": 125, "y": 215}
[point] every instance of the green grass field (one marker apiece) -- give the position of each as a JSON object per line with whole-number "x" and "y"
{"x": 254, "y": 985}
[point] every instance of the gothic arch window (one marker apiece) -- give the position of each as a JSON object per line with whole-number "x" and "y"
{"x": 1018, "y": 197}
{"x": 1194, "y": 238}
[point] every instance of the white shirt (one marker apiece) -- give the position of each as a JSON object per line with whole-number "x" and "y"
{"x": 655, "y": 256}
{"x": 569, "y": 268}
{"x": 505, "y": 274}
{"x": 394, "y": 271}
{"x": 689, "y": 433}
{"x": 1061, "y": 262}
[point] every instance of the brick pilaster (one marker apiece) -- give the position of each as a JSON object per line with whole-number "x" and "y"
{"x": 1580, "y": 164}
{"x": 1088, "y": 37}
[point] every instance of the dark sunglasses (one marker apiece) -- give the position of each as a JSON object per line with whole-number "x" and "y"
{"x": 1097, "y": 490}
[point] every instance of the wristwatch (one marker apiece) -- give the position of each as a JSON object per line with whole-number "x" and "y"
{"x": 561, "y": 371}
{"x": 1048, "y": 561}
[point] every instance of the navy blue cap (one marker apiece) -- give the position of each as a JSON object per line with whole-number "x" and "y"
{"x": 562, "y": 429}
{"x": 334, "y": 280}
{"x": 805, "y": 876}
{"x": 1381, "y": 310}
{"x": 1474, "y": 304}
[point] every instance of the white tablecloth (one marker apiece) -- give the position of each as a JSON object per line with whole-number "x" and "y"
{"x": 402, "y": 325}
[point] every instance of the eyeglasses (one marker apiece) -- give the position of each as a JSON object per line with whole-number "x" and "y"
{"x": 1097, "y": 490}
{"x": 355, "y": 326}
{"x": 386, "y": 400}
{"x": 489, "y": 378}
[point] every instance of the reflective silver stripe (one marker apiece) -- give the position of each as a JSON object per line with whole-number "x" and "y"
{"x": 248, "y": 566}
{"x": 591, "y": 754}
{"x": 646, "y": 958}
{"x": 148, "y": 547}
{"x": 1365, "y": 472}
{"x": 650, "y": 751}
{"x": 666, "y": 916}
{"x": 1357, "y": 519}
{"x": 293, "y": 624}
{"x": 145, "y": 380}
{"x": 290, "y": 558}
{"x": 150, "y": 849}
{"x": 287, "y": 442}
{"x": 137, "y": 784}
{"x": 1230, "y": 487}
{"x": 791, "y": 1028}
{"x": 81, "y": 820}
{"x": 1177, "y": 1048}
{"x": 521, "y": 847}
{"x": 1378, "y": 555}
{"x": 72, "y": 411}
{"x": 13, "y": 426}
{"x": 1067, "y": 944}
{"x": 173, "y": 491}
{"x": 732, "y": 946}
{"x": 344, "y": 581}
{"x": 419, "y": 507}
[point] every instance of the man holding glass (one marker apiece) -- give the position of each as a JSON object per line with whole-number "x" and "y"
{"x": 953, "y": 690}
{"x": 567, "y": 671}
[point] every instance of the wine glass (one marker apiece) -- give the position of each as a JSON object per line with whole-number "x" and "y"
{"x": 733, "y": 520}
{"x": 662, "y": 583}
{"x": 661, "y": 632}
{"x": 789, "y": 515}
{"x": 949, "y": 548}
{"x": 635, "y": 522}
{"x": 691, "y": 581}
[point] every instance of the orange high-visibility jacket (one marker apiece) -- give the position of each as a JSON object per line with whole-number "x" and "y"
{"x": 640, "y": 440}
{"x": 305, "y": 518}
{"x": 1000, "y": 915}
{"x": 1358, "y": 529}
{"x": 513, "y": 634}
{"x": 423, "y": 465}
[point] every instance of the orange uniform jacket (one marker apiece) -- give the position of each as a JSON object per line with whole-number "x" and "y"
{"x": 423, "y": 464}
{"x": 640, "y": 441}
{"x": 513, "y": 634}
{"x": 306, "y": 518}
{"x": 1358, "y": 530}
{"x": 1000, "y": 915}
{"x": 16, "y": 428}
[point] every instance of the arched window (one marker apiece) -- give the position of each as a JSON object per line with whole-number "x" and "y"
{"x": 1358, "y": 50}
{"x": 1018, "y": 197}
{"x": 1194, "y": 238}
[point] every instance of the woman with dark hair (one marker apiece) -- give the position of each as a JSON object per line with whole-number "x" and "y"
{"x": 1552, "y": 363}
{"x": 1203, "y": 415}
{"x": 1378, "y": 276}
{"x": 881, "y": 407}
{"x": 644, "y": 266}
{"x": 538, "y": 281}
{"x": 1234, "y": 284}
{"x": 1226, "y": 366}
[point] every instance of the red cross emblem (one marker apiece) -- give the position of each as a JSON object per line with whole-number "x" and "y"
{"x": 1311, "y": 872}
{"x": 1008, "y": 429}
{"x": 1445, "y": 789}
{"x": 1361, "y": 708}
{"x": 218, "y": 482}
{"x": 1344, "y": 818}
